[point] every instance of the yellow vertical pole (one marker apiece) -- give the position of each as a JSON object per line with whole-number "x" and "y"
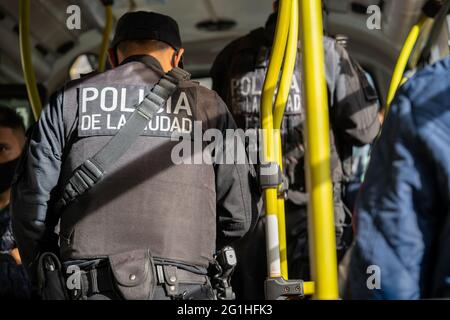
{"x": 403, "y": 58}
{"x": 321, "y": 219}
{"x": 280, "y": 104}
{"x": 106, "y": 34}
{"x": 27, "y": 62}
{"x": 268, "y": 138}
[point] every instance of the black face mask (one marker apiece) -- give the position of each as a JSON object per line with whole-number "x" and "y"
{"x": 7, "y": 174}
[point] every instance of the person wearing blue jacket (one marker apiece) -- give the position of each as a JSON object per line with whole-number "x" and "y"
{"x": 401, "y": 250}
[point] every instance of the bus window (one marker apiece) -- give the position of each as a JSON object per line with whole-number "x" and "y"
{"x": 205, "y": 82}
{"x": 84, "y": 64}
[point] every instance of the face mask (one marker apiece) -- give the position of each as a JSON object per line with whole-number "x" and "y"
{"x": 7, "y": 174}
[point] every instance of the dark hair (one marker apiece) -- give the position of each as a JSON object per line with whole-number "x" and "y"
{"x": 10, "y": 119}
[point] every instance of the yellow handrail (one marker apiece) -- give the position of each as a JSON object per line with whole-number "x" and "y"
{"x": 288, "y": 67}
{"x": 321, "y": 219}
{"x": 27, "y": 62}
{"x": 403, "y": 58}
{"x": 280, "y": 105}
{"x": 106, "y": 34}
{"x": 269, "y": 136}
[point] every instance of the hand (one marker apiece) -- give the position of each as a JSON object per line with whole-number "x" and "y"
{"x": 15, "y": 254}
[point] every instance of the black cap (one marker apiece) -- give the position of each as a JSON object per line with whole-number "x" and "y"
{"x": 432, "y": 8}
{"x": 143, "y": 25}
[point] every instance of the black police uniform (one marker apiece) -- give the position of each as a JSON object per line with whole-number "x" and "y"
{"x": 238, "y": 76}
{"x": 178, "y": 212}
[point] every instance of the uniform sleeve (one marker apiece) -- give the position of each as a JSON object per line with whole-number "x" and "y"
{"x": 354, "y": 110}
{"x": 237, "y": 192}
{"x": 37, "y": 176}
{"x": 394, "y": 214}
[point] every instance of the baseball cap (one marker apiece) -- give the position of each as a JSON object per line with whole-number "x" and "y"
{"x": 144, "y": 25}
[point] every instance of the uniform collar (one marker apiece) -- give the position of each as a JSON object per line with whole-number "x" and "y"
{"x": 148, "y": 60}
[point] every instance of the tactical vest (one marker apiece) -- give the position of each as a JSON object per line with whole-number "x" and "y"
{"x": 145, "y": 201}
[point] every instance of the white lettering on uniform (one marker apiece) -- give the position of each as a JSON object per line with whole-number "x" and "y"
{"x": 123, "y": 103}
{"x": 109, "y": 126}
{"x": 295, "y": 85}
{"x": 289, "y": 107}
{"x": 246, "y": 86}
{"x": 175, "y": 125}
{"x": 85, "y": 123}
{"x": 165, "y": 124}
{"x": 187, "y": 125}
{"x": 154, "y": 124}
{"x": 255, "y": 105}
{"x": 111, "y": 111}
{"x": 103, "y": 99}
{"x": 255, "y": 90}
{"x": 183, "y": 104}
{"x": 297, "y": 103}
{"x": 122, "y": 122}
{"x": 169, "y": 105}
{"x": 86, "y": 98}
{"x": 96, "y": 121}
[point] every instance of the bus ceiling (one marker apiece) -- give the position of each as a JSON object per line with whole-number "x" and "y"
{"x": 55, "y": 47}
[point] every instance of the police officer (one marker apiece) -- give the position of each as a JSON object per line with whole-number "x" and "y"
{"x": 238, "y": 76}
{"x": 149, "y": 227}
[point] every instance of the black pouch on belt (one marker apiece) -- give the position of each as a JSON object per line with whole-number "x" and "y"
{"x": 51, "y": 281}
{"x": 134, "y": 274}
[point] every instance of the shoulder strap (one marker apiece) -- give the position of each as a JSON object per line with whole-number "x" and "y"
{"x": 94, "y": 169}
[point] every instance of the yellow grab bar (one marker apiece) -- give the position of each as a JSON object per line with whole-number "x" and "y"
{"x": 106, "y": 34}
{"x": 322, "y": 239}
{"x": 281, "y": 214}
{"x": 27, "y": 62}
{"x": 269, "y": 137}
{"x": 288, "y": 68}
{"x": 280, "y": 105}
{"x": 403, "y": 58}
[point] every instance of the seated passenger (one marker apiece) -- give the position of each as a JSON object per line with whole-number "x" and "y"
{"x": 14, "y": 283}
{"x": 403, "y": 214}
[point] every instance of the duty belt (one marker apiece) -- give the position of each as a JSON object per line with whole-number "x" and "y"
{"x": 99, "y": 279}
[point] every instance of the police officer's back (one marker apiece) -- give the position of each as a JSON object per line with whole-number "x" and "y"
{"x": 145, "y": 205}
